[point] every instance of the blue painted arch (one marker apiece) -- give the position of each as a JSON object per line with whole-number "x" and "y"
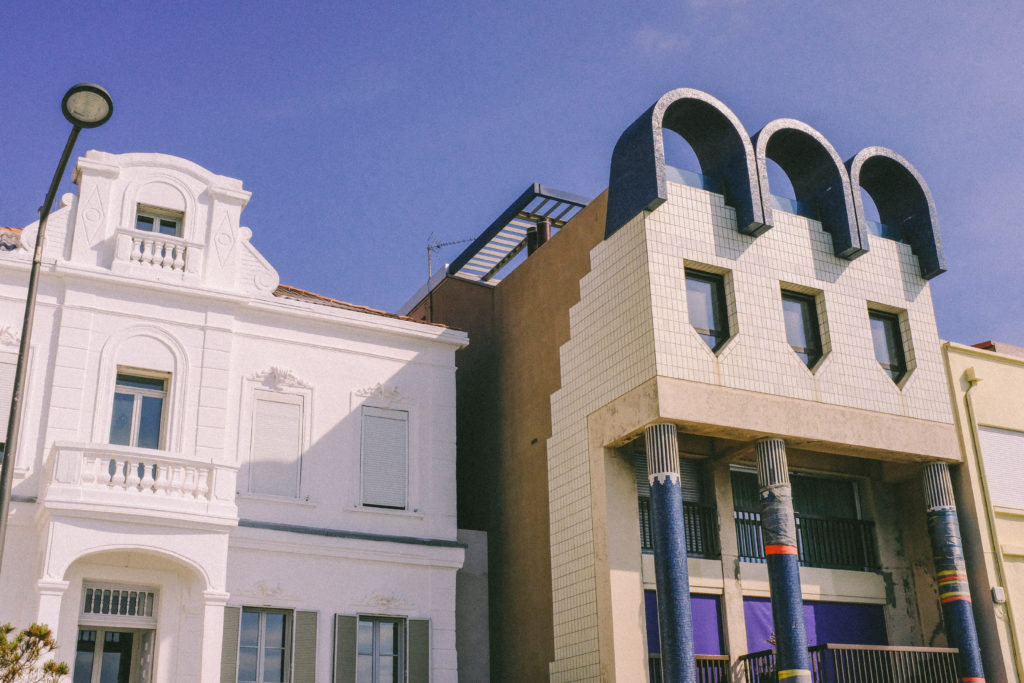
{"x": 637, "y": 181}
{"x": 818, "y": 177}
{"x": 903, "y": 200}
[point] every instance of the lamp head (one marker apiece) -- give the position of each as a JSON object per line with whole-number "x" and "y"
{"x": 87, "y": 105}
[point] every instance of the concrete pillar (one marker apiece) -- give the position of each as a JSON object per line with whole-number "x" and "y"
{"x": 670, "y": 571}
{"x": 51, "y": 594}
{"x": 778, "y": 529}
{"x": 213, "y": 635}
{"x": 951, "y": 570}
{"x": 732, "y": 589}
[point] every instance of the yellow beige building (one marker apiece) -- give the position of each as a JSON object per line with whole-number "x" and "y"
{"x": 987, "y": 388}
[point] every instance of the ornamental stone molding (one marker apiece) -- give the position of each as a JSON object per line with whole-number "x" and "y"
{"x": 9, "y": 336}
{"x": 381, "y": 393}
{"x": 278, "y": 378}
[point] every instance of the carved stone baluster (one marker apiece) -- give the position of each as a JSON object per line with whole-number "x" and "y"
{"x": 147, "y": 251}
{"x": 179, "y": 258}
{"x": 203, "y": 487}
{"x": 89, "y": 469}
{"x": 188, "y": 483}
{"x": 131, "y": 475}
{"x": 168, "y": 252}
{"x": 117, "y": 479}
{"x": 138, "y": 246}
{"x": 162, "y": 481}
{"x": 146, "y": 484}
{"x": 178, "y": 481}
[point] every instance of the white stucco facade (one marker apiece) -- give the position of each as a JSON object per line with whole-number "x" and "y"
{"x": 215, "y": 521}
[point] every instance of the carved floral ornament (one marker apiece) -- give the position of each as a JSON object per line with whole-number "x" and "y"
{"x": 9, "y": 336}
{"x": 278, "y": 378}
{"x": 381, "y": 393}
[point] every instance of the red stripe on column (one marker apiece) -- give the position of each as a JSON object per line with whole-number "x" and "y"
{"x": 780, "y": 550}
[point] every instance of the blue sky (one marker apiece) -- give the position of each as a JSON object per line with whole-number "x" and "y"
{"x": 363, "y": 127}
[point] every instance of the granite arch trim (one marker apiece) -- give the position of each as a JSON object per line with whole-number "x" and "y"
{"x": 903, "y": 201}
{"x": 819, "y": 177}
{"x": 637, "y": 179}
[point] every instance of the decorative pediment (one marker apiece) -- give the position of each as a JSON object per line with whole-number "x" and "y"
{"x": 279, "y": 378}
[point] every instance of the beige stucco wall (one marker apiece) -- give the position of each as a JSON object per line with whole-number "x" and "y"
{"x": 993, "y": 536}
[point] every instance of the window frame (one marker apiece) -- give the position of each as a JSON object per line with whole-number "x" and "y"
{"x": 289, "y": 628}
{"x": 362, "y": 455}
{"x": 158, "y": 215}
{"x": 138, "y": 393}
{"x": 401, "y": 630}
{"x": 719, "y": 306}
{"x": 810, "y": 355}
{"x": 898, "y": 370}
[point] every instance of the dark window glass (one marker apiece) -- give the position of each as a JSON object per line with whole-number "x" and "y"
{"x": 888, "y": 343}
{"x": 705, "y": 300}
{"x": 168, "y": 227}
{"x": 137, "y": 411}
{"x": 144, "y": 223}
{"x": 802, "y": 332}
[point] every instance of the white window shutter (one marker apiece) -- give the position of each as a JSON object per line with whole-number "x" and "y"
{"x": 1003, "y": 453}
{"x": 6, "y": 395}
{"x": 385, "y": 461}
{"x": 276, "y": 444}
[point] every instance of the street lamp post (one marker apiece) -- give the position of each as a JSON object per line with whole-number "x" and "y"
{"x": 85, "y": 106}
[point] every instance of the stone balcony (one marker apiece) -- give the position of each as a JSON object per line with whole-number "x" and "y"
{"x": 133, "y": 482}
{"x": 151, "y": 253}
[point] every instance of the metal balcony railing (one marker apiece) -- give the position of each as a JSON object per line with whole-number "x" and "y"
{"x": 710, "y": 668}
{"x": 700, "y": 524}
{"x": 833, "y": 663}
{"x": 832, "y": 543}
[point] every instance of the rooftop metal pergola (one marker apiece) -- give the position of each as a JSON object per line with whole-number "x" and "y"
{"x": 506, "y": 236}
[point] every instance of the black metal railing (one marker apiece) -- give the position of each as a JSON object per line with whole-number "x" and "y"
{"x": 832, "y": 543}
{"x": 700, "y": 524}
{"x": 835, "y": 663}
{"x": 710, "y": 668}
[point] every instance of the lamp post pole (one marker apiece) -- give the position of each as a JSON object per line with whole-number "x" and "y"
{"x": 86, "y": 106}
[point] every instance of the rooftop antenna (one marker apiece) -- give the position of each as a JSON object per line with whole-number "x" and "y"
{"x": 434, "y": 244}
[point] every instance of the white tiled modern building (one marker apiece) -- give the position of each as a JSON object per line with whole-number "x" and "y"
{"x": 221, "y": 478}
{"x": 786, "y": 350}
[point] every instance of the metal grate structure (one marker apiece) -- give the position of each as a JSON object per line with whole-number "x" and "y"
{"x": 506, "y": 236}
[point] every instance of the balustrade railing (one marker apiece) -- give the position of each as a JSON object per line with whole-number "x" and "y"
{"x": 140, "y": 479}
{"x": 150, "y": 475}
{"x": 710, "y": 669}
{"x": 836, "y": 663}
{"x": 162, "y": 252}
{"x": 700, "y": 524}
{"x": 831, "y": 543}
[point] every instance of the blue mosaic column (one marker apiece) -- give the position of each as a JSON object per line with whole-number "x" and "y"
{"x": 951, "y": 570}
{"x": 670, "y": 571}
{"x": 778, "y": 530}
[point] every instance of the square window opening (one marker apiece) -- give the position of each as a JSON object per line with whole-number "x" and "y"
{"x": 264, "y": 646}
{"x": 888, "y": 343}
{"x": 139, "y": 410}
{"x": 707, "y": 307}
{"x": 803, "y": 331}
{"x": 163, "y": 221}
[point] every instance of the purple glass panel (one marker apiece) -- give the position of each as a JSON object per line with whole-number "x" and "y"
{"x": 826, "y": 622}
{"x": 707, "y": 623}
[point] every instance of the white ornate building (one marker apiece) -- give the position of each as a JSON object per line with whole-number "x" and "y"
{"x": 221, "y": 478}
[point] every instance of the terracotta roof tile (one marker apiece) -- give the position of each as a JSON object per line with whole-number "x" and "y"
{"x": 296, "y": 294}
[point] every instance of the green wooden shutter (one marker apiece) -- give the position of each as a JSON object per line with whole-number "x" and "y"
{"x": 345, "y": 648}
{"x": 419, "y": 651}
{"x": 229, "y": 648}
{"x": 304, "y": 663}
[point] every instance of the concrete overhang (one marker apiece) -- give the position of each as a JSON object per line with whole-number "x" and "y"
{"x": 738, "y": 415}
